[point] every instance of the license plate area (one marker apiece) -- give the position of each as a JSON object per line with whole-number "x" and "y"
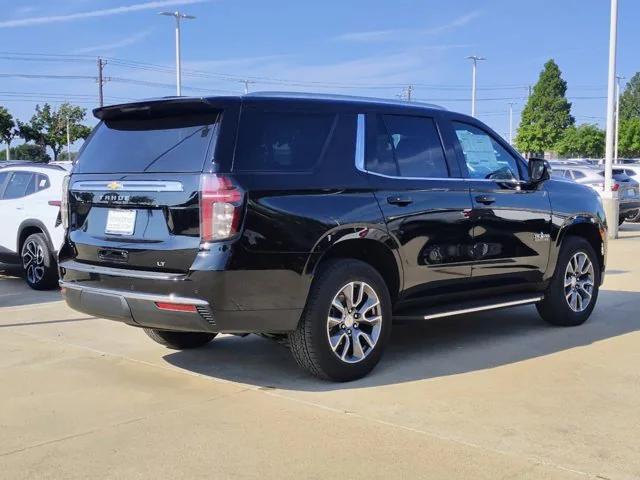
{"x": 120, "y": 222}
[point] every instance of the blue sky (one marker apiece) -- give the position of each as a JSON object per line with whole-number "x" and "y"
{"x": 371, "y": 47}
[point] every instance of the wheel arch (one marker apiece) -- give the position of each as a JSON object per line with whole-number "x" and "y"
{"x": 588, "y": 227}
{"x": 368, "y": 244}
{"x": 29, "y": 227}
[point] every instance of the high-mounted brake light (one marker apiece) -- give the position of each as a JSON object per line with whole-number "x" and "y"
{"x": 220, "y": 208}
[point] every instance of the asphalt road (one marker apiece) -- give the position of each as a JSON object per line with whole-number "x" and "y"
{"x": 496, "y": 395}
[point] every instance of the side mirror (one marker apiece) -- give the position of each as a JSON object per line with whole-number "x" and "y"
{"x": 539, "y": 170}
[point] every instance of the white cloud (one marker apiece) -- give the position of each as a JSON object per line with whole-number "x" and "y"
{"x": 27, "y": 22}
{"x": 404, "y": 33}
{"x": 365, "y": 37}
{"x": 124, "y": 42}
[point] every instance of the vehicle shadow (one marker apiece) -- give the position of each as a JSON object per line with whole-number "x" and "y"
{"x": 15, "y": 292}
{"x": 421, "y": 350}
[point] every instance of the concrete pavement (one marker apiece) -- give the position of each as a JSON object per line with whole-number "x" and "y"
{"x": 493, "y": 395}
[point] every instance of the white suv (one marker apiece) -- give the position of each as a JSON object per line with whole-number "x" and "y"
{"x": 31, "y": 232}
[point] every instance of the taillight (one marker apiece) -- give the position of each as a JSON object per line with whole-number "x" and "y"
{"x": 220, "y": 208}
{"x": 615, "y": 187}
{"x": 54, "y": 203}
{"x": 64, "y": 203}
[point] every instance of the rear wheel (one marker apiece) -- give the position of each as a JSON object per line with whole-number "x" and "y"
{"x": 573, "y": 291}
{"x": 621, "y": 219}
{"x": 346, "y": 323}
{"x": 180, "y": 340}
{"x": 39, "y": 263}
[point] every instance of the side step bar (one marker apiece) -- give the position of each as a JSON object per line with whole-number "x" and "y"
{"x": 431, "y": 313}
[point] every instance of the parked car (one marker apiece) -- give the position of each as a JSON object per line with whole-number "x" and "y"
{"x": 628, "y": 189}
{"x": 317, "y": 220}
{"x": 31, "y": 233}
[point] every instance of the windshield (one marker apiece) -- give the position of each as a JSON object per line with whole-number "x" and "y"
{"x": 169, "y": 144}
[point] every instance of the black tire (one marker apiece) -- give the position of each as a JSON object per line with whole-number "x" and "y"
{"x": 621, "y": 219}
{"x": 38, "y": 263}
{"x": 309, "y": 343}
{"x": 633, "y": 217}
{"x": 554, "y": 308}
{"x": 179, "y": 340}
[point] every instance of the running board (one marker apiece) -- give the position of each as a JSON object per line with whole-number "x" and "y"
{"x": 431, "y": 313}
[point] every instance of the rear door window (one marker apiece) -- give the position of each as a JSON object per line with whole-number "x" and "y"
{"x": 164, "y": 145}
{"x": 20, "y": 184}
{"x": 271, "y": 141}
{"x": 406, "y": 146}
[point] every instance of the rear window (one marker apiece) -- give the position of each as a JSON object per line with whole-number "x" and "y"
{"x": 271, "y": 141}
{"x": 162, "y": 145}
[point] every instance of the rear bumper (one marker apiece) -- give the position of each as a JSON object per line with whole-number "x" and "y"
{"x": 130, "y": 297}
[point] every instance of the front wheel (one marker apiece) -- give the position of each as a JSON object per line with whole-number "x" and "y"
{"x": 573, "y": 291}
{"x": 179, "y": 340}
{"x": 633, "y": 217}
{"x": 346, "y": 322}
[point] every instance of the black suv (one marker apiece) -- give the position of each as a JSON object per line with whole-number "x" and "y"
{"x": 317, "y": 221}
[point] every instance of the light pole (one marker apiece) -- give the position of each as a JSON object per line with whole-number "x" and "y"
{"x": 615, "y": 150}
{"x": 511, "y": 122}
{"x": 609, "y": 199}
{"x": 178, "y": 16}
{"x": 475, "y": 60}
{"x": 68, "y": 141}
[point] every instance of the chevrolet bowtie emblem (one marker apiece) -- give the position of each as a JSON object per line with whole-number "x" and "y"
{"x": 114, "y": 186}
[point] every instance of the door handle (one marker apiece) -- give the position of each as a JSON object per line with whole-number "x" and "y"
{"x": 485, "y": 199}
{"x": 402, "y": 201}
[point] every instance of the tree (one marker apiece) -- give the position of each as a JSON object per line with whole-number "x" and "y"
{"x": 64, "y": 157}
{"x": 547, "y": 113}
{"x": 30, "y": 152}
{"x": 7, "y": 128}
{"x": 48, "y": 127}
{"x": 629, "y": 140}
{"x": 630, "y": 99}
{"x": 582, "y": 141}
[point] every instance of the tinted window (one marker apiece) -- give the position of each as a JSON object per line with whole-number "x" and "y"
{"x": 484, "y": 156}
{"x": 282, "y": 141}
{"x": 20, "y": 184}
{"x": 577, "y": 174}
{"x": 408, "y": 147}
{"x": 3, "y": 178}
{"x": 169, "y": 144}
{"x": 42, "y": 182}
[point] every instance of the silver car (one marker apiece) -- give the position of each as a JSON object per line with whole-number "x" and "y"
{"x": 628, "y": 189}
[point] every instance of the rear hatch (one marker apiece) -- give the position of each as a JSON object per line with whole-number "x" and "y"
{"x": 134, "y": 193}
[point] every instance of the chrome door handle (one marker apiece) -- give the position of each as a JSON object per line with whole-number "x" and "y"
{"x": 402, "y": 201}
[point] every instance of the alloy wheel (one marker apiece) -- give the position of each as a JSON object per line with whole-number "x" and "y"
{"x": 33, "y": 261}
{"x": 354, "y": 322}
{"x": 579, "y": 279}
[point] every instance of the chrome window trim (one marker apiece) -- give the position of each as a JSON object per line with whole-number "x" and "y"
{"x": 360, "y": 161}
{"x": 128, "y": 186}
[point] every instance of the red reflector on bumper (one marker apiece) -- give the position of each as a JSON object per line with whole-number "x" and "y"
{"x": 176, "y": 307}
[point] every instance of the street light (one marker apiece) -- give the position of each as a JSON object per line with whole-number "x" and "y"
{"x": 178, "y": 16}
{"x": 615, "y": 151}
{"x": 609, "y": 199}
{"x": 475, "y": 60}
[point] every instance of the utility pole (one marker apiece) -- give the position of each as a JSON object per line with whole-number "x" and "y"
{"x": 101, "y": 64}
{"x": 511, "y": 123}
{"x": 246, "y": 86}
{"x": 68, "y": 141}
{"x": 610, "y": 200}
{"x": 475, "y": 60}
{"x": 409, "y": 92}
{"x": 178, "y": 16}
{"x": 615, "y": 150}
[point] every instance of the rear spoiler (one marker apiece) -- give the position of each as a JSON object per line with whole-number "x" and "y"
{"x": 163, "y": 107}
